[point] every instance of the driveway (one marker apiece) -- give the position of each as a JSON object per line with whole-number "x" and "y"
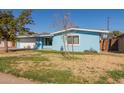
{"x": 10, "y": 79}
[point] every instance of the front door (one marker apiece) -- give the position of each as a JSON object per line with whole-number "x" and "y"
{"x": 47, "y": 42}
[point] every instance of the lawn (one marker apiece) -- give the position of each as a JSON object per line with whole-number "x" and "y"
{"x": 58, "y": 67}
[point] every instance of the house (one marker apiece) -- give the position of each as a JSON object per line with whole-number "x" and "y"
{"x": 121, "y": 43}
{"x": 10, "y": 44}
{"x": 72, "y": 39}
{"x": 116, "y": 43}
{"x": 113, "y": 44}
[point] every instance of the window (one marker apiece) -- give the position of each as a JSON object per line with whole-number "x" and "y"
{"x": 48, "y": 41}
{"x": 72, "y": 39}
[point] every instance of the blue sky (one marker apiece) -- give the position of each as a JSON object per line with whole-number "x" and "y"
{"x": 84, "y": 18}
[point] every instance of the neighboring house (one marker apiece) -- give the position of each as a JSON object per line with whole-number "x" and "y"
{"x": 121, "y": 43}
{"x": 72, "y": 39}
{"x": 10, "y": 44}
{"x": 113, "y": 44}
{"x": 116, "y": 43}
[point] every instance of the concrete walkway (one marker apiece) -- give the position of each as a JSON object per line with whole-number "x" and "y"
{"x": 10, "y": 79}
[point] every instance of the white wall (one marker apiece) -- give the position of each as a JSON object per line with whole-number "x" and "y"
{"x": 27, "y": 42}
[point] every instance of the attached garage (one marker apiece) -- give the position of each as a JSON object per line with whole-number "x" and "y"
{"x": 26, "y": 42}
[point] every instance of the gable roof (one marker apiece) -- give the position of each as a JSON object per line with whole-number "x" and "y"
{"x": 61, "y": 31}
{"x": 82, "y": 30}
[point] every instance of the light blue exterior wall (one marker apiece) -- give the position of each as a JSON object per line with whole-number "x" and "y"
{"x": 87, "y": 41}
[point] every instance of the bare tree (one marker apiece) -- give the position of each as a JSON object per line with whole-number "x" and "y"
{"x": 63, "y": 22}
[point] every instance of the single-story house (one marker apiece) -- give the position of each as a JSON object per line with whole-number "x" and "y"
{"x": 10, "y": 44}
{"x": 121, "y": 43}
{"x": 72, "y": 39}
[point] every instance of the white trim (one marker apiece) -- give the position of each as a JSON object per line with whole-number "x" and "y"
{"x": 25, "y": 36}
{"x": 33, "y": 36}
{"x": 78, "y": 29}
{"x": 61, "y": 31}
{"x": 43, "y": 35}
{"x": 73, "y": 44}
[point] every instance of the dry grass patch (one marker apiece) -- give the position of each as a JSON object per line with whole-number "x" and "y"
{"x": 82, "y": 68}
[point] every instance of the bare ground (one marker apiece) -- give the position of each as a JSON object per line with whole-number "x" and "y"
{"x": 10, "y": 79}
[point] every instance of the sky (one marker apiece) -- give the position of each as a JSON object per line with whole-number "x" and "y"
{"x": 84, "y": 18}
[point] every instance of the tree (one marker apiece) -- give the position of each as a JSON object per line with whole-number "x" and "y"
{"x": 26, "y": 33}
{"x": 117, "y": 33}
{"x": 10, "y": 25}
{"x": 114, "y": 34}
{"x": 64, "y": 22}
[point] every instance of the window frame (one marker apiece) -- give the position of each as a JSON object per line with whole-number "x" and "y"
{"x": 47, "y": 42}
{"x": 73, "y": 40}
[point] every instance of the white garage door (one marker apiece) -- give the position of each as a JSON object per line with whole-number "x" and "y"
{"x": 27, "y": 42}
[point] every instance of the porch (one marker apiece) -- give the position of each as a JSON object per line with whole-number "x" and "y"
{"x": 44, "y": 42}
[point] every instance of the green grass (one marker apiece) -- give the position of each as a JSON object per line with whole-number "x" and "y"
{"x": 35, "y": 59}
{"x": 62, "y": 52}
{"x": 47, "y": 73}
{"x": 50, "y": 76}
{"x": 22, "y": 58}
{"x": 42, "y": 75}
{"x": 116, "y": 74}
{"x": 5, "y": 63}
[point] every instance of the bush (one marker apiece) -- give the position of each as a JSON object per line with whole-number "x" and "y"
{"x": 90, "y": 51}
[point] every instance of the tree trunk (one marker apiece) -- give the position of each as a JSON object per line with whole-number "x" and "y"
{"x": 6, "y": 45}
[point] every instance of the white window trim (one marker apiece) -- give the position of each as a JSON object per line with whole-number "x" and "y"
{"x": 73, "y": 44}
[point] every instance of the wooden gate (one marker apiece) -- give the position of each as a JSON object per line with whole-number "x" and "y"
{"x": 104, "y": 45}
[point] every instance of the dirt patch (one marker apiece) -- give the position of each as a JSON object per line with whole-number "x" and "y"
{"x": 121, "y": 80}
{"x": 110, "y": 80}
{"x": 10, "y": 79}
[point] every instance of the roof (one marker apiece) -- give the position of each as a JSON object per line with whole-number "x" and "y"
{"x": 25, "y": 36}
{"x": 82, "y": 30}
{"x": 45, "y": 34}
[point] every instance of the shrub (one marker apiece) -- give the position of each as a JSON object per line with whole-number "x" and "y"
{"x": 90, "y": 51}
